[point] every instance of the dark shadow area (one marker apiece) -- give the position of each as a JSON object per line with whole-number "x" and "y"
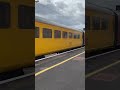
{"x": 102, "y": 44}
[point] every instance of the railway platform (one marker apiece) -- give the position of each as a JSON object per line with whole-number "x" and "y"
{"x": 108, "y": 79}
{"x": 64, "y": 72}
{"x": 19, "y": 84}
{"x": 104, "y": 72}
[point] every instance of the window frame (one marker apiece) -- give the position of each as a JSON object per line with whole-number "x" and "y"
{"x": 104, "y": 21}
{"x": 87, "y": 20}
{"x": 8, "y": 15}
{"x": 58, "y": 32}
{"x": 75, "y": 36}
{"x": 63, "y": 35}
{"x": 47, "y": 34}
{"x": 95, "y": 21}
{"x": 20, "y": 15}
{"x": 70, "y": 35}
{"x": 37, "y": 32}
{"x": 78, "y": 36}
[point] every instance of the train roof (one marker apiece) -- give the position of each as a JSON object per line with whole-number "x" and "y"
{"x": 99, "y": 8}
{"x": 47, "y": 21}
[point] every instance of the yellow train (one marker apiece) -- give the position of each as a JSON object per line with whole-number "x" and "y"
{"x": 16, "y": 34}
{"x": 100, "y": 28}
{"x": 51, "y": 37}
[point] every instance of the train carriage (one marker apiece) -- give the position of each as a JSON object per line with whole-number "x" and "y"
{"x": 99, "y": 28}
{"x": 16, "y": 34}
{"x": 51, "y": 37}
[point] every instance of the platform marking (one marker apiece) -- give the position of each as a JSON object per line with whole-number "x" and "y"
{"x": 102, "y": 69}
{"x": 51, "y": 67}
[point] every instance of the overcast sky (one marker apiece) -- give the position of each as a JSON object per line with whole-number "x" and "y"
{"x": 67, "y": 12}
{"x": 106, "y": 3}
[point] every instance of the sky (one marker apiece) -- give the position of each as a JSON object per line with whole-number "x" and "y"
{"x": 106, "y": 3}
{"x": 68, "y": 12}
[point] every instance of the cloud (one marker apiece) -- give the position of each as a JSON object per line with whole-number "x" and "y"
{"x": 67, "y": 12}
{"x": 105, "y": 3}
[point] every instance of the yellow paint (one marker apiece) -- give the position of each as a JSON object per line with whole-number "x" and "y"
{"x": 102, "y": 69}
{"x": 16, "y": 48}
{"x": 40, "y": 72}
{"x": 50, "y": 45}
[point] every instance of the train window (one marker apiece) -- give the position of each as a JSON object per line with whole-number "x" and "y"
{"x": 57, "y": 34}
{"x": 4, "y": 15}
{"x": 87, "y": 22}
{"x": 70, "y": 35}
{"x": 96, "y": 23}
{"x": 104, "y": 23}
{"x": 26, "y": 17}
{"x": 37, "y": 34}
{"x": 78, "y": 36}
{"x": 47, "y": 33}
{"x": 65, "y": 34}
{"x": 75, "y": 36}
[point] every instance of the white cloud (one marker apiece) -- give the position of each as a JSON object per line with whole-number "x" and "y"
{"x": 68, "y": 12}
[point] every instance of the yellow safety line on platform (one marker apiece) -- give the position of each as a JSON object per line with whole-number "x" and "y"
{"x": 40, "y": 72}
{"x": 102, "y": 69}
